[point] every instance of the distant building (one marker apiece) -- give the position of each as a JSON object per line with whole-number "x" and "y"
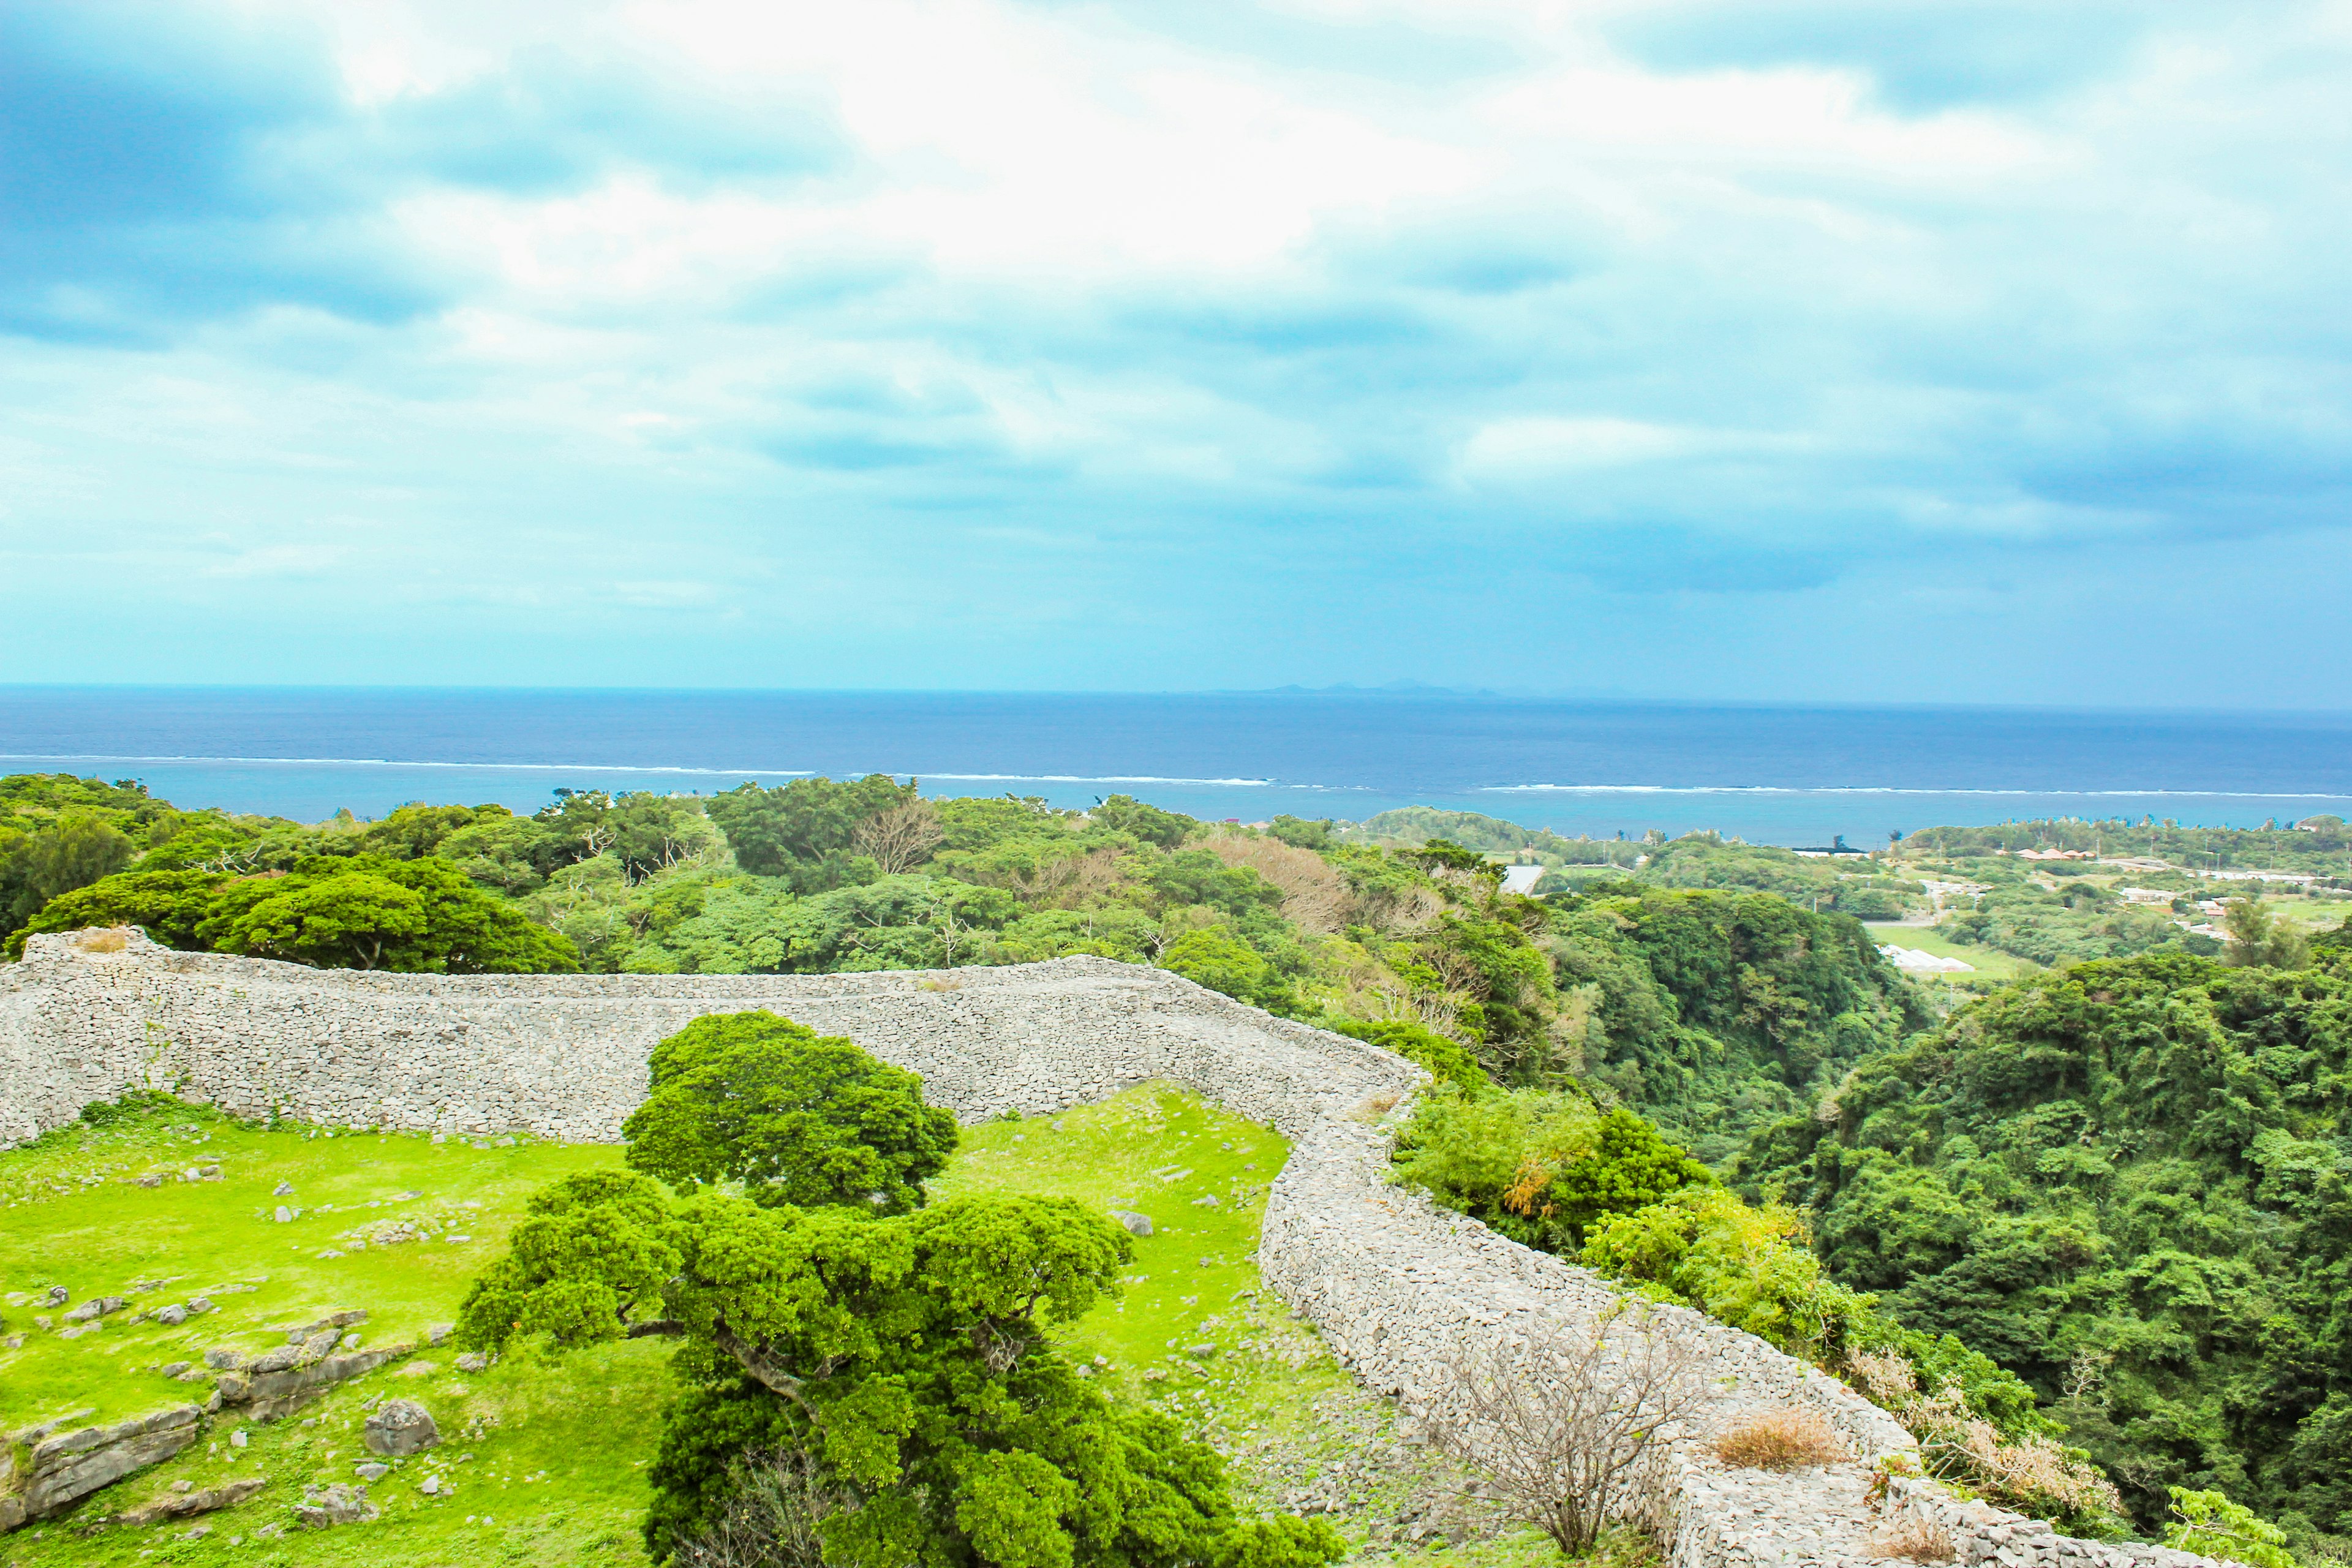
{"x": 1521, "y": 880}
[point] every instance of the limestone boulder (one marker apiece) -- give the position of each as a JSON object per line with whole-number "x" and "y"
{"x": 399, "y": 1428}
{"x": 70, "y": 1466}
{"x": 331, "y": 1505}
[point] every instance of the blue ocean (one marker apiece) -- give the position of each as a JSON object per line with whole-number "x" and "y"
{"x": 1769, "y": 775}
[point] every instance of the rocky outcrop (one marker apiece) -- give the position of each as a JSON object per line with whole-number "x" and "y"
{"x": 188, "y": 1504}
{"x": 269, "y": 1395}
{"x": 68, "y": 1466}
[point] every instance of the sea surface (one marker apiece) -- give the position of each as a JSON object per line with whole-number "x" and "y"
{"x": 1797, "y": 776}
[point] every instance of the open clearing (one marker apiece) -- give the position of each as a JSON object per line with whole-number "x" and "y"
{"x": 1991, "y": 964}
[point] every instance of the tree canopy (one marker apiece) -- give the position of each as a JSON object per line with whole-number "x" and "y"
{"x": 363, "y": 911}
{"x": 902, "y": 1358}
{"x": 793, "y": 1117}
{"x": 2126, "y": 1181}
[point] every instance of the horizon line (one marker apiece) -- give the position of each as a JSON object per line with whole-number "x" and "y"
{"x": 1391, "y": 691}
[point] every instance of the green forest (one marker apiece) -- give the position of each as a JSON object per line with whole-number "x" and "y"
{"x": 2086, "y": 1233}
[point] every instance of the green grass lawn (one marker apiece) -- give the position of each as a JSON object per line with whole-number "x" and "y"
{"x": 2313, "y": 914}
{"x": 541, "y": 1460}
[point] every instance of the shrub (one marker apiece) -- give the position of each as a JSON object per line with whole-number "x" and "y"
{"x": 1565, "y": 1417}
{"x": 1541, "y": 1168}
{"x": 1745, "y": 1267}
{"x": 1913, "y": 1539}
{"x": 2211, "y": 1524}
{"x": 1781, "y": 1439}
{"x": 1214, "y": 957}
{"x": 2028, "y": 1471}
{"x": 1425, "y": 1049}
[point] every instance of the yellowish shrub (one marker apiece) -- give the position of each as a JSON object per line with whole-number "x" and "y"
{"x": 1912, "y": 1540}
{"x": 1781, "y": 1440}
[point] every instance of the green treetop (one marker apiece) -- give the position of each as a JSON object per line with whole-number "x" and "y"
{"x": 796, "y": 1118}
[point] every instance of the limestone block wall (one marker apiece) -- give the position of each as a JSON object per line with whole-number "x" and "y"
{"x": 1393, "y": 1283}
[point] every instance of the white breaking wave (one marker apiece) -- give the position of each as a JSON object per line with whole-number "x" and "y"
{"x": 1903, "y": 789}
{"x": 390, "y": 762}
{"x": 1579, "y": 789}
{"x": 628, "y": 768}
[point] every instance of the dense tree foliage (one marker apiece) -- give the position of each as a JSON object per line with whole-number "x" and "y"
{"x": 362, "y": 911}
{"x": 788, "y": 1116}
{"x": 1556, "y": 1172}
{"x": 1715, "y": 1011}
{"x": 2129, "y": 1183}
{"x": 902, "y": 1359}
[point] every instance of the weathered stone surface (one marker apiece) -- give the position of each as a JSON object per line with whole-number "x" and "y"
{"x": 70, "y": 1466}
{"x": 271, "y": 1395}
{"x": 333, "y": 1505}
{"x": 32, "y": 1434}
{"x": 224, "y": 1358}
{"x": 96, "y": 1307}
{"x": 1136, "y": 1224}
{"x": 398, "y": 1428}
{"x": 189, "y": 1504}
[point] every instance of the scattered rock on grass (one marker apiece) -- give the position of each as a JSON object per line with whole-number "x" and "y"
{"x": 401, "y": 1426}
{"x": 335, "y": 1504}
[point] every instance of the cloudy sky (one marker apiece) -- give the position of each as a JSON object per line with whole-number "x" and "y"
{"x": 1981, "y": 351}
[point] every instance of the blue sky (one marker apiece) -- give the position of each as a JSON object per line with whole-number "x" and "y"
{"x": 1968, "y": 351}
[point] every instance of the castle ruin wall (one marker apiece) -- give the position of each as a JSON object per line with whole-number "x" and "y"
{"x": 1395, "y": 1285}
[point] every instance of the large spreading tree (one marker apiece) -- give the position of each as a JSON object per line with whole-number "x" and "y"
{"x": 895, "y": 1365}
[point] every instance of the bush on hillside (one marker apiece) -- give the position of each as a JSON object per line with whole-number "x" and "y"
{"x": 1443, "y": 1060}
{"x": 1541, "y": 1168}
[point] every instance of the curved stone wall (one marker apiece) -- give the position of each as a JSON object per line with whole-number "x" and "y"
{"x": 1393, "y": 1282}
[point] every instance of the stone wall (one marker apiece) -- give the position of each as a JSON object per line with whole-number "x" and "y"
{"x": 1393, "y": 1283}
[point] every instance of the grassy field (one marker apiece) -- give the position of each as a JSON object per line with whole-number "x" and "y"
{"x": 1991, "y": 964}
{"x": 540, "y": 1461}
{"x": 2314, "y": 914}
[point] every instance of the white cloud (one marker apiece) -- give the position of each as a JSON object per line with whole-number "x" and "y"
{"x": 1077, "y": 273}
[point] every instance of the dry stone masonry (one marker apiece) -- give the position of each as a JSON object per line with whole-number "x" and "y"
{"x": 1393, "y": 1283}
